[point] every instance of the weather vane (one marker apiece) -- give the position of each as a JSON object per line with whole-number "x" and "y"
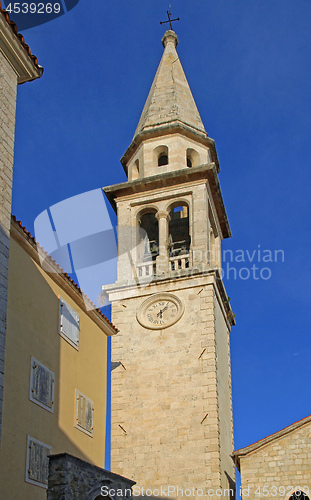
{"x": 169, "y": 13}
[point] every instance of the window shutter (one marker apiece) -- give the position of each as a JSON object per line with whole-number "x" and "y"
{"x": 37, "y": 462}
{"x": 41, "y": 385}
{"x": 69, "y": 323}
{"x": 84, "y": 413}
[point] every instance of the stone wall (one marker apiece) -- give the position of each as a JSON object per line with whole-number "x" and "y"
{"x": 73, "y": 479}
{"x": 166, "y": 428}
{"x": 8, "y": 84}
{"x": 278, "y": 467}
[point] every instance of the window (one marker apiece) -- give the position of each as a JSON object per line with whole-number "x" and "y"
{"x": 41, "y": 385}
{"x": 192, "y": 158}
{"x": 68, "y": 323}
{"x": 160, "y": 156}
{"x": 37, "y": 462}
{"x": 162, "y": 160}
{"x": 84, "y": 413}
{"x": 179, "y": 237}
{"x": 150, "y": 244}
{"x": 135, "y": 170}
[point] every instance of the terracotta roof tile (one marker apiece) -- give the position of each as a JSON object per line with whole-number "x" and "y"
{"x": 19, "y": 36}
{"x": 61, "y": 271}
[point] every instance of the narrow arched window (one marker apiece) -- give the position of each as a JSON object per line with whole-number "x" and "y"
{"x": 135, "y": 170}
{"x": 192, "y": 158}
{"x": 179, "y": 237}
{"x": 160, "y": 155}
{"x": 150, "y": 236}
{"x": 162, "y": 160}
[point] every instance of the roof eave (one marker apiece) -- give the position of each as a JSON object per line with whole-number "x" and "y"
{"x": 242, "y": 452}
{"x": 208, "y": 171}
{"x": 53, "y": 270}
{"x": 17, "y": 52}
{"x": 236, "y": 461}
{"x": 169, "y": 129}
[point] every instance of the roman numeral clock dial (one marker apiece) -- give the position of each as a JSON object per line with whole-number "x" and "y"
{"x": 160, "y": 311}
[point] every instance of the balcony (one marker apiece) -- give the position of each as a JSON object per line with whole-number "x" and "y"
{"x": 180, "y": 262}
{"x": 146, "y": 269}
{"x": 176, "y": 263}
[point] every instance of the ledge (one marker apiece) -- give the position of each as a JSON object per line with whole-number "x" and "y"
{"x": 159, "y": 130}
{"x": 207, "y": 171}
{"x": 16, "y": 51}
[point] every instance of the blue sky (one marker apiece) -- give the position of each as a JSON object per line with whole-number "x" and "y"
{"x": 248, "y": 65}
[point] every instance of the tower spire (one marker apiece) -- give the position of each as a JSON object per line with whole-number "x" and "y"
{"x": 170, "y": 118}
{"x": 170, "y": 98}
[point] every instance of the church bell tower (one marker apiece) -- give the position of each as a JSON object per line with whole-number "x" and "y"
{"x": 171, "y": 380}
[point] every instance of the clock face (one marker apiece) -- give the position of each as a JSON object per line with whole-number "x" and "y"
{"x": 160, "y": 311}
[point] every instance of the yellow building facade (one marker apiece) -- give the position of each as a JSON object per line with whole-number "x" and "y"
{"x": 17, "y": 65}
{"x": 55, "y": 372}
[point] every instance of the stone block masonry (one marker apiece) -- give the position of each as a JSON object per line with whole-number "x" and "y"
{"x": 71, "y": 478}
{"x": 279, "y": 464}
{"x": 166, "y": 426}
{"x": 8, "y": 85}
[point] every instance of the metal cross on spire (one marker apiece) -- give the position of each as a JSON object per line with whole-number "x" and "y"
{"x": 169, "y": 13}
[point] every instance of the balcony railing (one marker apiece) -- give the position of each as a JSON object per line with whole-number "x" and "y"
{"x": 146, "y": 269}
{"x": 180, "y": 262}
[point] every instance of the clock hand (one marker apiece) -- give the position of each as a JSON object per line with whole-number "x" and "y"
{"x": 162, "y": 310}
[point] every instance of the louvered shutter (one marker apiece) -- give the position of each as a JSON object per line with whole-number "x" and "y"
{"x": 41, "y": 385}
{"x": 84, "y": 413}
{"x": 37, "y": 462}
{"x": 68, "y": 323}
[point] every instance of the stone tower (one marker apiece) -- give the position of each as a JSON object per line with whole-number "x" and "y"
{"x": 171, "y": 381}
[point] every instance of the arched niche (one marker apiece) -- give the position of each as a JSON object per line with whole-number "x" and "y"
{"x": 160, "y": 156}
{"x": 135, "y": 170}
{"x": 148, "y": 234}
{"x": 179, "y": 229}
{"x": 192, "y": 158}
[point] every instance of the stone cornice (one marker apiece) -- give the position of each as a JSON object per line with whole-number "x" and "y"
{"x": 17, "y": 55}
{"x": 185, "y": 279}
{"x": 177, "y": 177}
{"x": 169, "y": 129}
